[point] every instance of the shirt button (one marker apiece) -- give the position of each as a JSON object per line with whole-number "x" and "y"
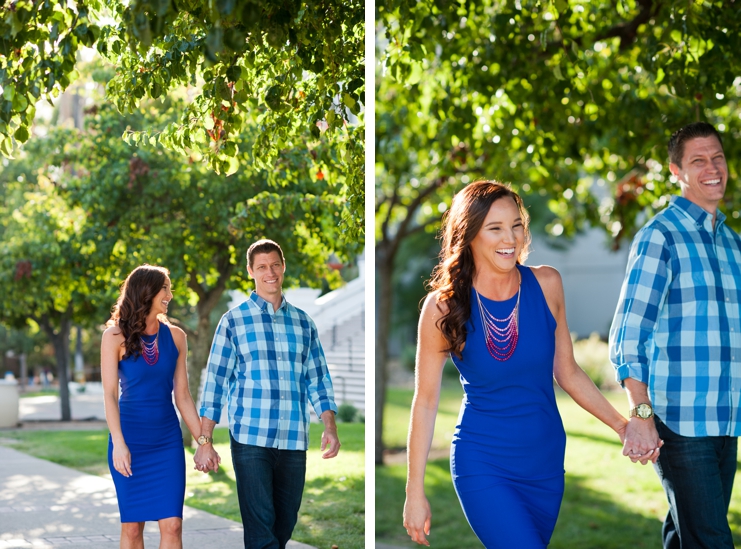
{"x": 281, "y": 396}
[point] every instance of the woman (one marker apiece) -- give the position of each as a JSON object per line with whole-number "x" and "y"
{"x": 145, "y": 448}
{"x": 504, "y": 325}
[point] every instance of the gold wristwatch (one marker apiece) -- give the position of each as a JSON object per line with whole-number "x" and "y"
{"x": 203, "y": 439}
{"x": 643, "y": 411}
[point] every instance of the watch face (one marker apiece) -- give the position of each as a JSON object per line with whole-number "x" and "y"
{"x": 644, "y": 411}
{"x": 202, "y": 440}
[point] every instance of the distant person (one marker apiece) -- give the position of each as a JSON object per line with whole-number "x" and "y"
{"x": 504, "y": 325}
{"x": 267, "y": 363}
{"x": 145, "y": 449}
{"x": 676, "y": 344}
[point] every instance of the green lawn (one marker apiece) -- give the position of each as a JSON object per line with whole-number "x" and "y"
{"x": 609, "y": 503}
{"x": 333, "y": 507}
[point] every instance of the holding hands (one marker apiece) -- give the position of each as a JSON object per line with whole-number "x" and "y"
{"x": 206, "y": 458}
{"x": 642, "y": 442}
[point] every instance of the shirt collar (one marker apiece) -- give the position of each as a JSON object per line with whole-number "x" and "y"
{"x": 264, "y": 305}
{"x": 696, "y": 213}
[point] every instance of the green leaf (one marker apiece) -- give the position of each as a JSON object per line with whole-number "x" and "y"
{"x": 21, "y": 134}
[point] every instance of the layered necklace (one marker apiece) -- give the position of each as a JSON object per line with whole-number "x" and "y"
{"x": 151, "y": 350}
{"x": 501, "y": 334}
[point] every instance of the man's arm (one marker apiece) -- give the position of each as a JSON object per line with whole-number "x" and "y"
{"x": 221, "y": 361}
{"x": 330, "y": 439}
{"x": 643, "y": 294}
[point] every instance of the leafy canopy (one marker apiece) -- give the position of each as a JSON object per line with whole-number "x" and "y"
{"x": 292, "y": 69}
{"x": 570, "y": 99}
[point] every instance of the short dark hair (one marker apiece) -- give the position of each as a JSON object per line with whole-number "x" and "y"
{"x": 686, "y": 133}
{"x": 263, "y": 246}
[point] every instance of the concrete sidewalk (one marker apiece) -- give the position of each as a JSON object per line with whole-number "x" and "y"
{"x": 44, "y": 505}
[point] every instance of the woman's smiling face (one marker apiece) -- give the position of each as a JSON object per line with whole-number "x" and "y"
{"x": 501, "y": 238}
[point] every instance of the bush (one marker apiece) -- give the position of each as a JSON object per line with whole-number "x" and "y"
{"x": 592, "y": 354}
{"x": 408, "y": 357}
{"x": 346, "y": 412}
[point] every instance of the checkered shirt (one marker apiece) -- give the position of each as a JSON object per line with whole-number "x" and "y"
{"x": 677, "y": 327}
{"x": 267, "y": 364}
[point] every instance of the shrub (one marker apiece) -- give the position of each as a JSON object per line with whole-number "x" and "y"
{"x": 346, "y": 412}
{"x": 592, "y": 354}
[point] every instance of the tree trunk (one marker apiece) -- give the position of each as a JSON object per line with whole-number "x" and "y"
{"x": 60, "y": 341}
{"x": 199, "y": 346}
{"x": 384, "y": 273}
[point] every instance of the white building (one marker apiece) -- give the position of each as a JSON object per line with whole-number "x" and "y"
{"x": 592, "y": 276}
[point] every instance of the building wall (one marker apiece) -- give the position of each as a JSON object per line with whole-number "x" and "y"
{"x": 592, "y": 277}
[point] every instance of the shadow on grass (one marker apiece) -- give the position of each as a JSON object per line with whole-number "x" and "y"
{"x": 333, "y": 513}
{"x": 588, "y": 519}
{"x": 331, "y": 509}
{"x": 594, "y": 438}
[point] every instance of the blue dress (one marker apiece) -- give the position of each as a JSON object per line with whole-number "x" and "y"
{"x": 507, "y": 453}
{"x": 151, "y": 430}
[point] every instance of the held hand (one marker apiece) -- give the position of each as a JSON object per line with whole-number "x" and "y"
{"x": 206, "y": 459}
{"x": 417, "y": 519}
{"x": 122, "y": 459}
{"x": 331, "y": 440}
{"x": 642, "y": 442}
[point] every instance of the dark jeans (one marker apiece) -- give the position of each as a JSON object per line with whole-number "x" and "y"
{"x": 270, "y": 483}
{"x": 697, "y": 474}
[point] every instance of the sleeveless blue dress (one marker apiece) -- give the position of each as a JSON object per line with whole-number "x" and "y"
{"x": 151, "y": 430}
{"x": 507, "y": 454}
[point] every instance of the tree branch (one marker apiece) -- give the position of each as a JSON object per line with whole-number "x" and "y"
{"x": 188, "y": 332}
{"x": 402, "y": 232}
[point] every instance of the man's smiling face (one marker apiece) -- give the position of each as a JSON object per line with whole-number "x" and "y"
{"x": 267, "y": 270}
{"x": 704, "y": 173}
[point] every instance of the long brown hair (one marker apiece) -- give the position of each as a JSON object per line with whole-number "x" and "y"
{"x": 453, "y": 276}
{"x": 133, "y": 305}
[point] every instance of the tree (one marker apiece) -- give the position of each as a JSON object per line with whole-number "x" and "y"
{"x": 290, "y": 66}
{"x": 157, "y": 207}
{"x": 50, "y": 273}
{"x": 556, "y": 97}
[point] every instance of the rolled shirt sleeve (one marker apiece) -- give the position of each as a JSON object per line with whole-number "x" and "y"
{"x": 642, "y": 296}
{"x": 318, "y": 383}
{"x": 220, "y": 368}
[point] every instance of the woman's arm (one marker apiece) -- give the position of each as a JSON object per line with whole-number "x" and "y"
{"x": 431, "y": 358}
{"x": 570, "y": 377}
{"x": 110, "y": 349}
{"x": 183, "y": 398}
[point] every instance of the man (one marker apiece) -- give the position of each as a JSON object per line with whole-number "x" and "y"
{"x": 675, "y": 342}
{"x": 267, "y": 358}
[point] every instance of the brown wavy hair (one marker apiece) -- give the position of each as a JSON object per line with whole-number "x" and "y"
{"x": 452, "y": 278}
{"x": 133, "y": 305}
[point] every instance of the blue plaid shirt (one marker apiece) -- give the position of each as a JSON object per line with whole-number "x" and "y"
{"x": 677, "y": 327}
{"x": 269, "y": 364}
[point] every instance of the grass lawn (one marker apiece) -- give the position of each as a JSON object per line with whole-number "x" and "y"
{"x": 40, "y": 392}
{"x": 609, "y": 503}
{"x": 332, "y": 510}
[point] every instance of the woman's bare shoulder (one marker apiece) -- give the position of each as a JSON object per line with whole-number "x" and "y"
{"x": 178, "y": 334}
{"x": 548, "y": 277}
{"x": 113, "y": 333}
{"x": 434, "y": 305}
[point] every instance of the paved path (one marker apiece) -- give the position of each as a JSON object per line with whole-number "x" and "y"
{"x": 44, "y": 505}
{"x": 87, "y": 406}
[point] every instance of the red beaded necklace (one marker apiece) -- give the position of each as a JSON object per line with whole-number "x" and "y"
{"x": 151, "y": 351}
{"x": 501, "y": 334}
